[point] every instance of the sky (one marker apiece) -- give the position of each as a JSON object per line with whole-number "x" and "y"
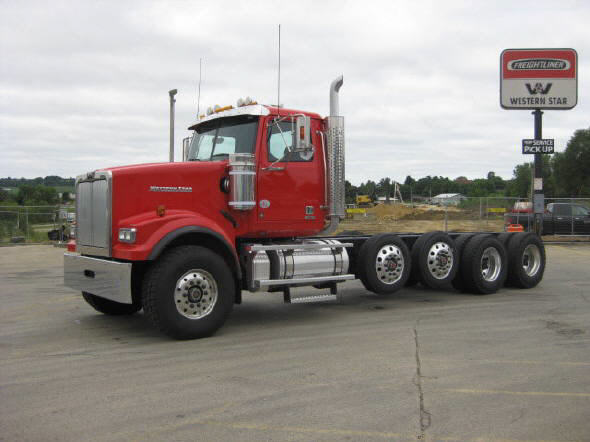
{"x": 84, "y": 84}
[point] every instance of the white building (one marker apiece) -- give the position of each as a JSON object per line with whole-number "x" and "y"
{"x": 448, "y": 199}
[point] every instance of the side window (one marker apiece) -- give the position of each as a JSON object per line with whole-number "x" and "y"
{"x": 280, "y": 142}
{"x": 580, "y": 211}
{"x": 562, "y": 210}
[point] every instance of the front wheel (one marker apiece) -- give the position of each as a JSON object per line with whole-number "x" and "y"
{"x": 188, "y": 292}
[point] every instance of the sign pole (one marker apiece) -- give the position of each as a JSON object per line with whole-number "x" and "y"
{"x": 538, "y": 195}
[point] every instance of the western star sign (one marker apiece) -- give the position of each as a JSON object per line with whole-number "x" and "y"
{"x": 538, "y": 78}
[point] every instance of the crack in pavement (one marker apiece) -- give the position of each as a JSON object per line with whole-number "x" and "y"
{"x": 425, "y": 416}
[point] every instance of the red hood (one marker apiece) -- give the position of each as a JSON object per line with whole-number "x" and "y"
{"x": 141, "y": 188}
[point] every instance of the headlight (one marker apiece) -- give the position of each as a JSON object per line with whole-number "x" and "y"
{"x": 127, "y": 235}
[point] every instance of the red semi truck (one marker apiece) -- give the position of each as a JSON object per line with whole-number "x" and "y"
{"x": 253, "y": 207}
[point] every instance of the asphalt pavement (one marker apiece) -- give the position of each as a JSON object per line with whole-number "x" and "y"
{"x": 417, "y": 365}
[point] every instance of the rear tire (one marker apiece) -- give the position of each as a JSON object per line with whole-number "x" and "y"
{"x": 109, "y": 307}
{"x": 505, "y": 237}
{"x": 189, "y": 292}
{"x": 434, "y": 260}
{"x": 384, "y": 263}
{"x": 460, "y": 242}
{"x": 484, "y": 264}
{"x": 527, "y": 260}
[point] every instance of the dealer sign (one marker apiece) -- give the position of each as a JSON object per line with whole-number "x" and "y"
{"x": 538, "y": 78}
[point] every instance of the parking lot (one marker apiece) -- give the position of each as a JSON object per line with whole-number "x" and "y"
{"x": 418, "y": 365}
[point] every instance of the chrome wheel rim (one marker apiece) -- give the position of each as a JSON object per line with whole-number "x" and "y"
{"x": 490, "y": 264}
{"x": 440, "y": 260}
{"x": 531, "y": 260}
{"x": 195, "y": 294}
{"x": 389, "y": 264}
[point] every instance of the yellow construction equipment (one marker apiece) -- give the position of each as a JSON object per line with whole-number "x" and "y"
{"x": 364, "y": 201}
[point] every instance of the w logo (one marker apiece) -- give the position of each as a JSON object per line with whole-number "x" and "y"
{"x": 538, "y": 88}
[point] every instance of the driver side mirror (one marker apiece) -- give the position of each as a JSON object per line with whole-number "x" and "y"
{"x": 302, "y": 133}
{"x": 186, "y": 143}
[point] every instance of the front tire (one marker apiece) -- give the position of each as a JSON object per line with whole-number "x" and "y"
{"x": 188, "y": 292}
{"x": 109, "y": 307}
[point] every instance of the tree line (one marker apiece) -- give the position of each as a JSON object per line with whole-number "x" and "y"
{"x": 35, "y": 191}
{"x": 565, "y": 174}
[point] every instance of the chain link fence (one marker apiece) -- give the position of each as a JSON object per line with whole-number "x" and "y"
{"x": 563, "y": 216}
{"x": 456, "y": 213}
{"x": 35, "y": 224}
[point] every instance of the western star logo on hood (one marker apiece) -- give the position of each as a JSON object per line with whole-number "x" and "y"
{"x": 539, "y": 64}
{"x": 170, "y": 189}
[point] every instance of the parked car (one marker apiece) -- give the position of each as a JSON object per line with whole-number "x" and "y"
{"x": 558, "y": 219}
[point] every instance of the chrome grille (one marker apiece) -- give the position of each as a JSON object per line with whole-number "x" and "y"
{"x": 93, "y": 214}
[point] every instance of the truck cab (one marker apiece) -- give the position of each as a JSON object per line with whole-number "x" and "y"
{"x": 288, "y": 197}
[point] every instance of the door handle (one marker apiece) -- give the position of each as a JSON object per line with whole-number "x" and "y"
{"x": 272, "y": 169}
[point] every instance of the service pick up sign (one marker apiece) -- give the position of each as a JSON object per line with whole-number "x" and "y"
{"x": 538, "y": 146}
{"x": 538, "y": 78}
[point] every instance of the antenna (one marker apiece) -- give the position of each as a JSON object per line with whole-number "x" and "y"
{"x": 279, "y": 82}
{"x": 199, "y": 93}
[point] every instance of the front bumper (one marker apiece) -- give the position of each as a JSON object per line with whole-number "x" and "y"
{"x": 100, "y": 277}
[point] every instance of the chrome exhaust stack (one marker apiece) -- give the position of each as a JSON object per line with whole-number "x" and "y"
{"x": 334, "y": 156}
{"x": 171, "y": 94}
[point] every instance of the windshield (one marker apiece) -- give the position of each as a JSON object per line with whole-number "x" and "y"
{"x": 215, "y": 140}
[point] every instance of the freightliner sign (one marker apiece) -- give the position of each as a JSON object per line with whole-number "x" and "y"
{"x": 538, "y": 78}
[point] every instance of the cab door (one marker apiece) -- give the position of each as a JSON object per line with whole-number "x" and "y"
{"x": 290, "y": 184}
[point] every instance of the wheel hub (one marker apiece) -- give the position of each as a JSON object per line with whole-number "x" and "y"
{"x": 195, "y": 294}
{"x": 531, "y": 260}
{"x": 440, "y": 260}
{"x": 389, "y": 264}
{"x": 491, "y": 264}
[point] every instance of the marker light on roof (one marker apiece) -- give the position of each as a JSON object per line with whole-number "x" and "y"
{"x": 224, "y": 108}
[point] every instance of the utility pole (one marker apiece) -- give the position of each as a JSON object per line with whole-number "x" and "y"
{"x": 538, "y": 195}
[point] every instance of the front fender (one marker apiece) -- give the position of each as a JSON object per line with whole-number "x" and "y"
{"x": 154, "y": 234}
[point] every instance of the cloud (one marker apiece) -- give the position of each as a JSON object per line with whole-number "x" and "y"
{"x": 84, "y": 85}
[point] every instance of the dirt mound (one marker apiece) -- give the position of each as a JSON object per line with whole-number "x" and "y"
{"x": 391, "y": 211}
